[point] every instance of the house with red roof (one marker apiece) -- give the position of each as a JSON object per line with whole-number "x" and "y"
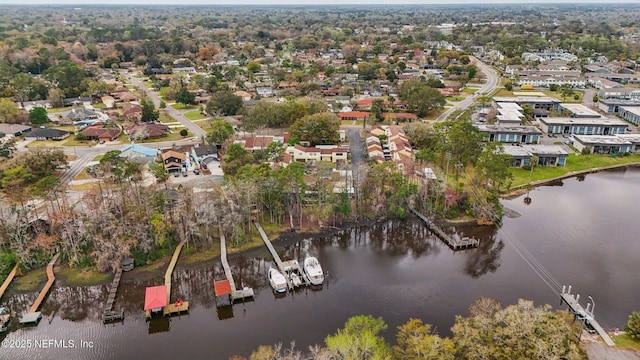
{"x": 353, "y": 115}
{"x": 100, "y": 133}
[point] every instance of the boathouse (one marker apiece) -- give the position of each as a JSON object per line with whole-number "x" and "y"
{"x": 155, "y": 299}
{"x": 223, "y": 292}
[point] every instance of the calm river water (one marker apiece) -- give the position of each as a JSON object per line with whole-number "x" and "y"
{"x": 581, "y": 232}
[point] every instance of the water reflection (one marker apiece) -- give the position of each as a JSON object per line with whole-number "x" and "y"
{"x": 393, "y": 269}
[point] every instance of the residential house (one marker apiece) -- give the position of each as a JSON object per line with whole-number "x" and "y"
{"x": 100, "y": 133}
{"x": 14, "y": 129}
{"x": 265, "y": 91}
{"x": 245, "y": 96}
{"x": 147, "y": 131}
{"x": 204, "y": 154}
{"x": 353, "y": 115}
{"x": 135, "y": 151}
{"x": 253, "y": 143}
{"x": 318, "y": 153}
{"x": 46, "y": 134}
{"x": 132, "y": 112}
{"x": 173, "y": 160}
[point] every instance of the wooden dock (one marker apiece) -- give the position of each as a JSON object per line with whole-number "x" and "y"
{"x": 108, "y": 314}
{"x": 45, "y": 290}
{"x": 583, "y": 314}
{"x": 293, "y": 266}
{"x": 8, "y": 280}
{"x": 273, "y": 252}
{"x": 236, "y": 294}
{"x": 455, "y": 243}
{"x": 33, "y": 315}
{"x": 173, "y": 308}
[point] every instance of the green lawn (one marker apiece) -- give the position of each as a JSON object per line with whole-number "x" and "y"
{"x": 174, "y": 136}
{"x": 194, "y": 115}
{"x": 623, "y": 341}
{"x": 468, "y": 90}
{"x": 455, "y": 98}
{"x": 55, "y": 110}
{"x": 179, "y": 106}
{"x": 204, "y": 124}
{"x": 574, "y": 163}
{"x": 165, "y": 118}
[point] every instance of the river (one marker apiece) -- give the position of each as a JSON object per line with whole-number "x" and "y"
{"x": 579, "y": 232}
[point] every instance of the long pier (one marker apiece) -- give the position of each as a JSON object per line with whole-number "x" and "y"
{"x": 454, "y": 243}
{"x": 8, "y": 280}
{"x": 245, "y": 292}
{"x": 181, "y": 306}
{"x": 583, "y": 314}
{"x": 51, "y": 279}
{"x": 108, "y": 314}
{"x": 33, "y": 315}
{"x": 275, "y": 255}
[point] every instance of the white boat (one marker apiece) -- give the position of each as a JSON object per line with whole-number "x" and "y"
{"x": 295, "y": 279}
{"x": 313, "y": 270}
{"x": 5, "y": 317}
{"x": 277, "y": 281}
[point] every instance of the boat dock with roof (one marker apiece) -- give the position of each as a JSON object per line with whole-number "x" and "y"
{"x": 228, "y": 287}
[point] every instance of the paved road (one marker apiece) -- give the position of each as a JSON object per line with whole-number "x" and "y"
{"x": 177, "y": 115}
{"x": 492, "y": 82}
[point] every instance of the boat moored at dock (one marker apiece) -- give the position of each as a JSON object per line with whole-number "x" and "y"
{"x": 313, "y": 270}
{"x": 277, "y": 281}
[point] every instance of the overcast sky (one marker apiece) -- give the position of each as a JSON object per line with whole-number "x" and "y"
{"x": 298, "y": 2}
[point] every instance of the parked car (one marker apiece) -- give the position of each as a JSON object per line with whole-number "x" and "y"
{"x": 184, "y": 173}
{"x": 176, "y": 174}
{"x": 196, "y": 172}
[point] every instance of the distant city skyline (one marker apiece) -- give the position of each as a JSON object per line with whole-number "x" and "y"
{"x": 308, "y": 2}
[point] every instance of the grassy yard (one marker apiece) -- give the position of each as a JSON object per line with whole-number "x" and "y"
{"x": 81, "y": 276}
{"x": 83, "y": 175}
{"x": 57, "y": 110}
{"x": 30, "y": 280}
{"x": 455, "y": 98}
{"x": 194, "y": 115}
{"x": 179, "y": 106}
{"x": 574, "y": 163}
{"x": 204, "y": 124}
{"x": 624, "y": 341}
{"x": 165, "y": 118}
{"x": 468, "y": 90}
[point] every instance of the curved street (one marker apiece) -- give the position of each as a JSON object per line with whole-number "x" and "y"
{"x": 175, "y": 114}
{"x": 492, "y": 82}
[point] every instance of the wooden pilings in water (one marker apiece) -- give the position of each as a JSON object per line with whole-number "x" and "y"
{"x": 583, "y": 315}
{"x": 108, "y": 314}
{"x": 453, "y": 242}
{"x": 179, "y": 306}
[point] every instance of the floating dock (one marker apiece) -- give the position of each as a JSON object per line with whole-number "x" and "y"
{"x": 454, "y": 243}
{"x": 179, "y": 306}
{"x": 33, "y": 315}
{"x": 583, "y": 314}
{"x": 8, "y": 280}
{"x": 273, "y": 252}
{"x": 108, "y": 314}
{"x": 236, "y": 294}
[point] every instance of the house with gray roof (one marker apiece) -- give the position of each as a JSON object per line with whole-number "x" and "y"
{"x": 47, "y": 134}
